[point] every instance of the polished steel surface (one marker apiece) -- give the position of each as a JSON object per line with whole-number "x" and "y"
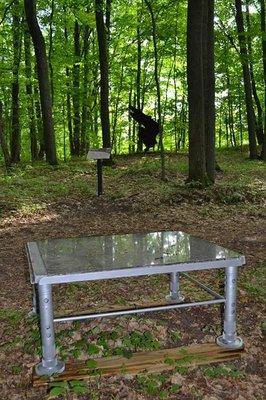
{"x": 107, "y": 253}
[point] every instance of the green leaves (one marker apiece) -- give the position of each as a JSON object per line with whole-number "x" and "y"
{"x": 91, "y": 363}
{"x": 61, "y": 388}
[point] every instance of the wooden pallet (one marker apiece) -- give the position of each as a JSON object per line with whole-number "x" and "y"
{"x": 143, "y": 362}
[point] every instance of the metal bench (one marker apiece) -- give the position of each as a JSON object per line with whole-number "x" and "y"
{"x": 94, "y": 258}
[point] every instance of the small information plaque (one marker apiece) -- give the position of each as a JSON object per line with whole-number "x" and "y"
{"x": 99, "y": 154}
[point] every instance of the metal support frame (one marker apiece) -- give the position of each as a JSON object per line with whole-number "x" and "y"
{"x": 175, "y": 294}
{"x": 202, "y": 286}
{"x": 35, "y": 304}
{"x": 49, "y": 364}
{"x": 229, "y": 338}
{"x": 137, "y": 310}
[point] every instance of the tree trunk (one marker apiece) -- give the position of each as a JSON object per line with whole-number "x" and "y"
{"x": 240, "y": 118}
{"x": 108, "y": 17}
{"x": 130, "y": 119}
{"x": 50, "y": 52}
{"x": 115, "y": 114}
{"x": 3, "y": 142}
{"x": 68, "y": 96}
{"x": 247, "y": 82}
{"x": 15, "y": 130}
{"x": 263, "y": 41}
{"x": 43, "y": 79}
{"x": 30, "y": 100}
{"x": 76, "y": 90}
{"x": 197, "y": 159}
{"x": 158, "y": 90}
{"x": 84, "y": 117}
{"x": 38, "y": 114}
{"x": 138, "y": 76}
{"x": 104, "y": 71}
{"x": 209, "y": 87}
{"x": 259, "y": 122}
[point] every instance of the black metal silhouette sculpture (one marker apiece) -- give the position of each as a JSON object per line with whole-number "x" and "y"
{"x": 149, "y": 128}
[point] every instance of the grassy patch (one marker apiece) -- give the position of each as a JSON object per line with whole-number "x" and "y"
{"x": 221, "y": 370}
{"x": 254, "y": 282}
{"x": 28, "y": 190}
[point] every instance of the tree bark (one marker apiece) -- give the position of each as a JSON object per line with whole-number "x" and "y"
{"x": 138, "y": 76}
{"x": 104, "y": 72}
{"x": 50, "y": 52}
{"x": 158, "y": 90}
{"x": 15, "y": 125}
{"x": 43, "y": 79}
{"x": 3, "y": 142}
{"x": 197, "y": 159}
{"x": 30, "y": 100}
{"x": 38, "y": 114}
{"x": 68, "y": 96}
{"x": 259, "y": 121}
{"x": 115, "y": 113}
{"x": 263, "y": 42}
{"x": 108, "y": 17}
{"x": 247, "y": 82}
{"x": 76, "y": 90}
{"x": 209, "y": 87}
{"x": 84, "y": 117}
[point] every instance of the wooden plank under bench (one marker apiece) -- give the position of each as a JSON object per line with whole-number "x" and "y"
{"x": 144, "y": 362}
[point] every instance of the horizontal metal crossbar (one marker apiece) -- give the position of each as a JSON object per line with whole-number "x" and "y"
{"x": 137, "y": 310}
{"x": 204, "y": 287}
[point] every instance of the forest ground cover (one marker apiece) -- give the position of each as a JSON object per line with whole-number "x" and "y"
{"x": 41, "y": 201}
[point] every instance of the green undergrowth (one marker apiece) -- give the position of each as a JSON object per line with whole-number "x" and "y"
{"x": 30, "y": 189}
{"x": 254, "y": 282}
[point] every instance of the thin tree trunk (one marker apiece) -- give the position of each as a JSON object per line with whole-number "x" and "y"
{"x": 15, "y": 130}
{"x": 84, "y": 117}
{"x": 247, "y": 82}
{"x": 240, "y": 119}
{"x": 166, "y": 93}
{"x": 138, "y": 76}
{"x": 76, "y": 90}
{"x": 263, "y": 42}
{"x": 50, "y": 52}
{"x": 115, "y": 116}
{"x": 130, "y": 119}
{"x": 29, "y": 92}
{"x": 3, "y": 142}
{"x": 43, "y": 79}
{"x": 259, "y": 122}
{"x": 39, "y": 123}
{"x": 158, "y": 90}
{"x": 230, "y": 109}
{"x": 104, "y": 71}
{"x": 197, "y": 159}
{"x": 68, "y": 96}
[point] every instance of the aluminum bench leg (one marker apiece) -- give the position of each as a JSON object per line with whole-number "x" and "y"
{"x": 229, "y": 337}
{"x": 175, "y": 294}
{"x": 49, "y": 364}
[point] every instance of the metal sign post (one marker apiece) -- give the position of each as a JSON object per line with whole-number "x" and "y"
{"x": 99, "y": 155}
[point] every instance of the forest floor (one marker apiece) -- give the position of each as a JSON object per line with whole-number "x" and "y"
{"x": 45, "y": 202}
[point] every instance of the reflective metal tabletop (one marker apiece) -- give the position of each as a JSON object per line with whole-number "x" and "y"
{"x": 101, "y": 257}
